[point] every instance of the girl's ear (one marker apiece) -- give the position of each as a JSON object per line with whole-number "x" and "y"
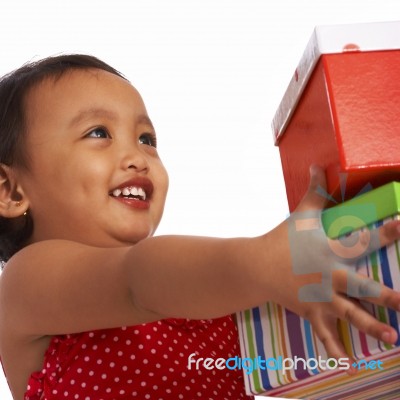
{"x": 13, "y": 202}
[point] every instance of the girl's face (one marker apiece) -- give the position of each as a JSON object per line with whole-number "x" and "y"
{"x": 94, "y": 174}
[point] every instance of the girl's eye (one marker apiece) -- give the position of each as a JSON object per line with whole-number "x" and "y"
{"x": 99, "y": 133}
{"x": 148, "y": 139}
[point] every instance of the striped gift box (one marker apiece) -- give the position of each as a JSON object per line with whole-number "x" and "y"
{"x": 273, "y": 334}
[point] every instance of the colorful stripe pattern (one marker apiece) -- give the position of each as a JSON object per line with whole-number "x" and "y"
{"x": 270, "y": 331}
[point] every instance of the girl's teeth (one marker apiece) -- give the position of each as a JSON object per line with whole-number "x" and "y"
{"x": 142, "y": 193}
{"x": 134, "y": 191}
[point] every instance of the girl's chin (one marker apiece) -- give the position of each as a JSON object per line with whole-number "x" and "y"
{"x": 131, "y": 238}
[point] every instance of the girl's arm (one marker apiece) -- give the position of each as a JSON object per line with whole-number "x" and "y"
{"x": 58, "y": 287}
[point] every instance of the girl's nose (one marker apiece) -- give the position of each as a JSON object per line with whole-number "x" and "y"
{"x": 135, "y": 159}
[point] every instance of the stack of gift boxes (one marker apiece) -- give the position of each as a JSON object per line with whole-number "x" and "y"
{"x": 341, "y": 111}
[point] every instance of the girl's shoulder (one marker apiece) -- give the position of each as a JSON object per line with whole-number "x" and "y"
{"x": 50, "y": 258}
{"x": 58, "y": 286}
{"x": 38, "y": 255}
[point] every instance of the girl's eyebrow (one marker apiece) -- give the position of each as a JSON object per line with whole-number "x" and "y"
{"x": 89, "y": 113}
{"x": 144, "y": 119}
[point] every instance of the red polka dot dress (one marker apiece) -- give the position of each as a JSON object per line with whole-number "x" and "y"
{"x": 148, "y": 361}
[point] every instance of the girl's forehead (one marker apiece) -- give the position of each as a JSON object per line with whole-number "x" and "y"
{"x": 75, "y": 81}
{"x": 75, "y": 90}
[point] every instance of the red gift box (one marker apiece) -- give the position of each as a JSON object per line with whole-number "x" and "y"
{"x": 342, "y": 111}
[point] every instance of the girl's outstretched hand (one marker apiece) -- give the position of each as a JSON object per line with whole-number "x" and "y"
{"x": 328, "y": 287}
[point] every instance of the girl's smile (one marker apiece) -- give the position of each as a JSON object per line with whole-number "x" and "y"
{"x": 135, "y": 193}
{"x": 115, "y": 185}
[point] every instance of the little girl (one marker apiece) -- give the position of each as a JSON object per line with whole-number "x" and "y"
{"x": 92, "y": 306}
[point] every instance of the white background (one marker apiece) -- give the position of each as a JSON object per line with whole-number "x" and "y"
{"x": 212, "y": 73}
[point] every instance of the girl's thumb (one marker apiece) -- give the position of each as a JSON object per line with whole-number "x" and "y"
{"x": 316, "y": 196}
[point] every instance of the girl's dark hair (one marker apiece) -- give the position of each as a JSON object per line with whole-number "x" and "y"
{"x": 14, "y": 88}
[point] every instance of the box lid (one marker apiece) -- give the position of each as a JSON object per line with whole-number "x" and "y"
{"x": 361, "y": 211}
{"x": 331, "y": 39}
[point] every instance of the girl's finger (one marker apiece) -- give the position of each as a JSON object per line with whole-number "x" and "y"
{"x": 354, "y": 313}
{"x": 349, "y": 249}
{"x": 326, "y": 330}
{"x": 388, "y": 233}
{"x": 375, "y": 238}
{"x": 314, "y": 199}
{"x": 361, "y": 287}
